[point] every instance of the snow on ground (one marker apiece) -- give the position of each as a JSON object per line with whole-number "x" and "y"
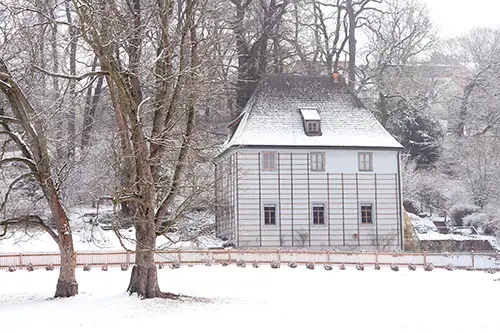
{"x": 88, "y": 237}
{"x": 426, "y": 230}
{"x": 257, "y": 300}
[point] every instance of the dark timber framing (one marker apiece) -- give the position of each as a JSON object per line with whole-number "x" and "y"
{"x": 291, "y": 191}
{"x": 357, "y": 208}
{"x": 260, "y": 204}
{"x": 328, "y": 207}
{"x": 279, "y": 196}
{"x": 376, "y": 212}
{"x": 237, "y": 202}
{"x": 308, "y": 199}
{"x": 343, "y": 209}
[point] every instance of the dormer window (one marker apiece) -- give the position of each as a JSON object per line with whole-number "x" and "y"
{"x": 311, "y": 120}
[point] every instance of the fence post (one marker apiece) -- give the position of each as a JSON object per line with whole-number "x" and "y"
{"x": 229, "y": 256}
{"x": 179, "y": 256}
{"x": 473, "y": 260}
{"x": 128, "y": 257}
{"x": 279, "y": 256}
{"x": 20, "y": 260}
{"x": 425, "y": 259}
{"x": 328, "y": 257}
{"x": 376, "y": 257}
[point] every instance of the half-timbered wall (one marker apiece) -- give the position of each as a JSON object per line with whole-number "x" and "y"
{"x": 244, "y": 188}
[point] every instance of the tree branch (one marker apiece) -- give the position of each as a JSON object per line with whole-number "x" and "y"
{"x": 70, "y": 77}
{"x": 34, "y": 220}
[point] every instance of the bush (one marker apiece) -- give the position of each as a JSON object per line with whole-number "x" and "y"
{"x": 360, "y": 266}
{"x": 49, "y": 267}
{"x": 30, "y": 268}
{"x": 160, "y": 266}
{"x": 412, "y": 267}
{"x": 224, "y": 263}
{"x": 255, "y": 264}
{"x": 241, "y": 263}
{"x": 460, "y": 211}
{"x": 292, "y": 264}
{"x": 87, "y": 268}
{"x": 190, "y": 265}
{"x": 490, "y": 271}
{"x": 377, "y": 267}
{"x": 275, "y": 264}
{"x": 328, "y": 267}
{"x": 449, "y": 267}
{"x": 310, "y": 265}
{"x": 12, "y": 268}
{"x": 470, "y": 268}
{"x": 175, "y": 264}
{"x": 395, "y": 268}
{"x": 104, "y": 268}
{"x": 342, "y": 267}
{"x": 208, "y": 263}
{"x": 124, "y": 267}
{"x": 428, "y": 267}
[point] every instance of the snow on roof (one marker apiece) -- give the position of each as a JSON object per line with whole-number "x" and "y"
{"x": 310, "y": 113}
{"x": 272, "y": 116}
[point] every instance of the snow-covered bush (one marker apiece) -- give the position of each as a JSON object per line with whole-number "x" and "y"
{"x": 275, "y": 264}
{"x": 160, "y": 266}
{"x": 12, "y": 268}
{"x": 190, "y": 265}
{"x": 394, "y": 267}
{"x": 342, "y": 267}
{"x": 175, "y": 264}
{"x": 459, "y": 211}
{"x": 255, "y": 264}
{"x": 49, "y": 267}
{"x": 428, "y": 267}
{"x": 29, "y": 267}
{"x": 360, "y": 266}
{"x": 377, "y": 267}
{"x": 310, "y": 265}
{"x": 104, "y": 268}
{"x": 328, "y": 267}
{"x": 412, "y": 267}
{"x": 224, "y": 263}
{"x": 87, "y": 268}
{"x": 124, "y": 267}
{"x": 208, "y": 263}
{"x": 470, "y": 268}
{"x": 292, "y": 264}
{"x": 449, "y": 267}
{"x": 241, "y": 263}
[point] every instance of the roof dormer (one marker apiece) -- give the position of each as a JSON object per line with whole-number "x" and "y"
{"x": 311, "y": 121}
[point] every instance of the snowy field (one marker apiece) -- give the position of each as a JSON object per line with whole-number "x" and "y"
{"x": 258, "y": 300}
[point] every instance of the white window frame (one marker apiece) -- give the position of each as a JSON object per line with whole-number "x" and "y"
{"x": 325, "y": 214}
{"x": 314, "y": 161}
{"x": 269, "y": 204}
{"x": 361, "y": 204}
{"x": 267, "y": 158}
{"x": 365, "y": 164}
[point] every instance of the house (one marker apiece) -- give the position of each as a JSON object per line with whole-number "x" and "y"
{"x": 306, "y": 165}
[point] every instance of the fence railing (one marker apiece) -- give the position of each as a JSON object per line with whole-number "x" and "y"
{"x": 478, "y": 261}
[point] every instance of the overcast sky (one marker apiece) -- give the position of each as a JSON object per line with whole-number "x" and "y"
{"x": 454, "y": 17}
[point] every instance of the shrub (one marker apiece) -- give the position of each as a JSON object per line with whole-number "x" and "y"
{"x": 224, "y": 263}
{"x": 87, "y": 268}
{"x": 412, "y": 267}
{"x": 104, "y": 268}
{"x": 292, "y": 264}
{"x": 190, "y": 265}
{"x": 208, "y": 263}
{"x": 460, "y": 211}
{"x": 160, "y": 266}
{"x": 275, "y": 264}
{"x": 255, "y": 264}
{"x": 310, "y": 265}
{"x": 328, "y": 267}
{"x": 175, "y": 264}
{"x": 394, "y": 267}
{"x": 49, "y": 267}
{"x": 12, "y": 268}
{"x": 490, "y": 271}
{"x": 124, "y": 267}
{"x": 241, "y": 263}
{"x": 30, "y": 268}
{"x": 360, "y": 266}
{"x": 342, "y": 267}
{"x": 449, "y": 267}
{"x": 428, "y": 267}
{"x": 470, "y": 268}
{"x": 377, "y": 267}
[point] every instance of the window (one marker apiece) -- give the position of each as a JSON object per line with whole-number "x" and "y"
{"x": 318, "y": 214}
{"x": 269, "y": 214}
{"x": 317, "y": 161}
{"x": 366, "y": 213}
{"x": 268, "y": 161}
{"x": 365, "y": 161}
{"x": 312, "y": 126}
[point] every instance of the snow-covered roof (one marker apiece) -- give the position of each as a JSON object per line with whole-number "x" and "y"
{"x": 272, "y": 116}
{"x": 310, "y": 113}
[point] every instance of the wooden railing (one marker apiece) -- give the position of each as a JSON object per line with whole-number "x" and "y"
{"x": 480, "y": 261}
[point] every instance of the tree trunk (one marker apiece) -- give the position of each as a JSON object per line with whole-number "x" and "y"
{"x": 352, "y": 44}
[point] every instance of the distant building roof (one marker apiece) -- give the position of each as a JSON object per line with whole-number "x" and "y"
{"x": 272, "y": 116}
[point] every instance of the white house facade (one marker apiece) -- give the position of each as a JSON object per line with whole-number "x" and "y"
{"x": 308, "y": 166}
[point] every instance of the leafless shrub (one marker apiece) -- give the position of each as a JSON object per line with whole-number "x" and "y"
{"x": 87, "y": 268}
{"x": 292, "y": 264}
{"x": 29, "y": 267}
{"x": 224, "y": 263}
{"x": 449, "y": 267}
{"x": 328, "y": 267}
{"x": 124, "y": 267}
{"x": 428, "y": 267}
{"x": 241, "y": 263}
{"x": 360, "y": 266}
{"x": 208, "y": 263}
{"x": 175, "y": 264}
{"x": 412, "y": 267}
{"x": 12, "y": 268}
{"x": 49, "y": 267}
{"x": 342, "y": 267}
{"x": 310, "y": 265}
{"x": 377, "y": 267}
{"x": 394, "y": 267}
{"x": 302, "y": 236}
{"x": 104, "y": 268}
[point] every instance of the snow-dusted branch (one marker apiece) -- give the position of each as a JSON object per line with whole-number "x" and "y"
{"x": 70, "y": 77}
{"x": 33, "y": 220}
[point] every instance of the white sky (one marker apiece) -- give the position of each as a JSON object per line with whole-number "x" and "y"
{"x": 455, "y": 17}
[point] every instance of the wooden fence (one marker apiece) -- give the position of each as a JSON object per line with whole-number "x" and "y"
{"x": 479, "y": 261}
